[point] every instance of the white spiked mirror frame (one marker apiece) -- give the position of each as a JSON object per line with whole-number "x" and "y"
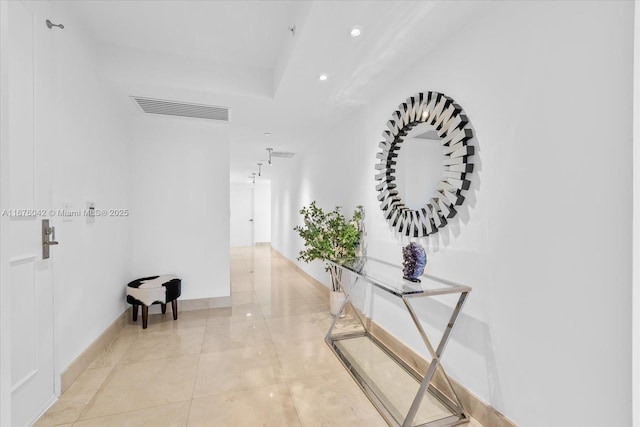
{"x": 452, "y": 126}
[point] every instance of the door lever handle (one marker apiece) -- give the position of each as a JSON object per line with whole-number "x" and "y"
{"x": 48, "y": 238}
{"x": 51, "y": 231}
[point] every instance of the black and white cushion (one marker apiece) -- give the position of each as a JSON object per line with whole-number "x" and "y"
{"x": 154, "y": 290}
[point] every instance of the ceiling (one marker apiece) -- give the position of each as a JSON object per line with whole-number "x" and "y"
{"x": 242, "y": 55}
{"x": 248, "y": 33}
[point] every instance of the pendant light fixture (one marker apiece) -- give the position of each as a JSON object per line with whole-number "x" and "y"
{"x": 270, "y": 150}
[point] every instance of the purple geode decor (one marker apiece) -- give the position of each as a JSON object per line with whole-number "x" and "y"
{"x": 415, "y": 259}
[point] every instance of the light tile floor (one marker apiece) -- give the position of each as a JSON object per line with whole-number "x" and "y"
{"x": 261, "y": 362}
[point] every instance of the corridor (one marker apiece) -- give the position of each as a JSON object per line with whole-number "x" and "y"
{"x": 261, "y": 362}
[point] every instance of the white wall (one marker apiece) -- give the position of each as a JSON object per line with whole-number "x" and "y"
{"x": 87, "y": 140}
{"x": 180, "y": 199}
{"x": 544, "y": 237}
{"x": 262, "y": 211}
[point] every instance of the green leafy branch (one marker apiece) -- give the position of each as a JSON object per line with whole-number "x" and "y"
{"x": 329, "y": 235}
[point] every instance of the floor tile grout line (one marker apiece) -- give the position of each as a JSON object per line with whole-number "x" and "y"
{"x": 109, "y": 376}
{"x": 193, "y": 389}
{"x": 127, "y": 412}
{"x": 93, "y": 397}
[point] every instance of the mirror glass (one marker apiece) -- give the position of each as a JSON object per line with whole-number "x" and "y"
{"x": 419, "y": 166}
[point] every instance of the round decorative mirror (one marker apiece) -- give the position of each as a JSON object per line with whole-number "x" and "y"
{"x": 421, "y": 185}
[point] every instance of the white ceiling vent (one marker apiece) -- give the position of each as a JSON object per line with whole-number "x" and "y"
{"x": 182, "y": 109}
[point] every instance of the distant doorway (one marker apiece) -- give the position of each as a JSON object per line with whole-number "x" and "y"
{"x": 242, "y": 221}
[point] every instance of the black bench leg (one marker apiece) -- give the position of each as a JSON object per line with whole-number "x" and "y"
{"x": 134, "y": 311}
{"x": 164, "y": 308}
{"x": 174, "y": 309}
{"x": 145, "y": 316}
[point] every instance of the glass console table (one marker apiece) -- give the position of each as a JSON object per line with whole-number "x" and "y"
{"x": 402, "y": 395}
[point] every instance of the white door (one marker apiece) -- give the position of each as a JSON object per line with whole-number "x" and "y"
{"x": 24, "y": 190}
{"x": 241, "y": 206}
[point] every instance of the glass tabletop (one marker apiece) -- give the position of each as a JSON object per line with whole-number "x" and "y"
{"x": 388, "y": 277}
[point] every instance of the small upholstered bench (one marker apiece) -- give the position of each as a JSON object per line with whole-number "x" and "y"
{"x": 154, "y": 290}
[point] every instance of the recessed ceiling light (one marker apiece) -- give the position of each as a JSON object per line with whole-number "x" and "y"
{"x": 323, "y": 77}
{"x": 355, "y": 32}
{"x": 267, "y": 134}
